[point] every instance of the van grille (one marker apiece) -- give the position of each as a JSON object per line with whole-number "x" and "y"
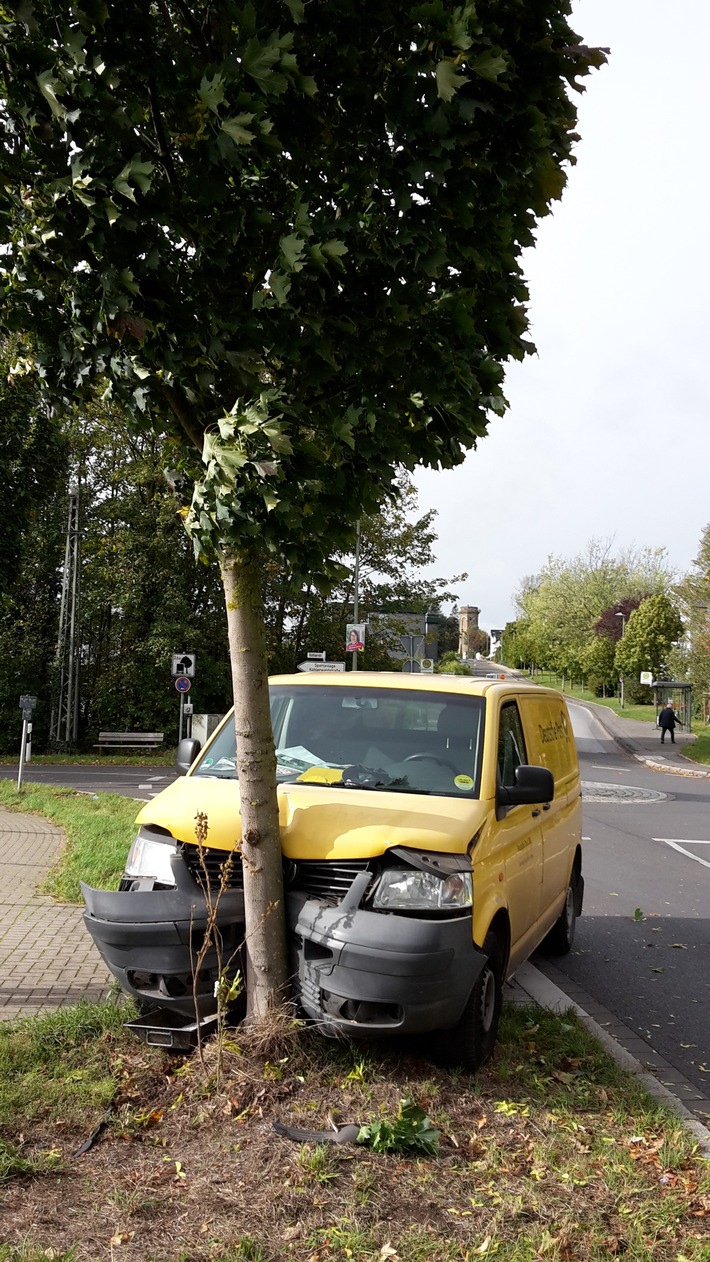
{"x": 326, "y": 879}
{"x": 212, "y": 862}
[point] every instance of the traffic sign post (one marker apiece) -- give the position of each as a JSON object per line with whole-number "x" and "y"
{"x": 27, "y": 705}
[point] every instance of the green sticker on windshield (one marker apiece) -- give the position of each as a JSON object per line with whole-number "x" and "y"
{"x": 208, "y": 762}
{"x": 463, "y": 782}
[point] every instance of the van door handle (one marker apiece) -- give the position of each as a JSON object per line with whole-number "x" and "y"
{"x": 535, "y": 814}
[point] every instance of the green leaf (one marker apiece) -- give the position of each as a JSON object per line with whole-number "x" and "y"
{"x": 334, "y": 249}
{"x": 235, "y": 129}
{"x": 271, "y": 500}
{"x": 48, "y": 85}
{"x": 448, "y": 79}
{"x": 292, "y": 248}
{"x": 212, "y": 92}
{"x": 278, "y": 439}
{"x": 111, "y": 209}
{"x": 280, "y": 287}
{"x": 489, "y": 65}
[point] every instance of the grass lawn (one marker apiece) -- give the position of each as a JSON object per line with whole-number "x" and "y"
{"x": 99, "y": 827}
{"x": 550, "y": 1154}
{"x": 151, "y": 758}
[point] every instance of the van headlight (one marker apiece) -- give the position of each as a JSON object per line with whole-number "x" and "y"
{"x": 149, "y": 859}
{"x": 403, "y": 889}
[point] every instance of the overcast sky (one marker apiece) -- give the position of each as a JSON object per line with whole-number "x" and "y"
{"x": 607, "y": 433}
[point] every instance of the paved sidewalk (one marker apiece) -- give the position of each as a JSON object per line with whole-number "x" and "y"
{"x": 47, "y": 959}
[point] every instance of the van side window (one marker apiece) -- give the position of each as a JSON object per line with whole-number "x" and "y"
{"x": 511, "y": 744}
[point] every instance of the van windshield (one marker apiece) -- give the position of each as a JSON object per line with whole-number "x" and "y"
{"x": 390, "y": 739}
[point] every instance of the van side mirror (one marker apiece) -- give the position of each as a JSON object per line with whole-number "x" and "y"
{"x": 532, "y": 786}
{"x": 186, "y": 754}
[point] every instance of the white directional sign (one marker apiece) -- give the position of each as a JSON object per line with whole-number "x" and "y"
{"x": 316, "y": 657}
{"x": 326, "y": 666}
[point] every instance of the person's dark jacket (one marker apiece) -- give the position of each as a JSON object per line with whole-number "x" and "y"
{"x": 668, "y": 720}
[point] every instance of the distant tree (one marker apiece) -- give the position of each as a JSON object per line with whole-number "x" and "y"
{"x": 694, "y": 596}
{"x": 563, "y": 603}
{"x": 648, "y": 637}
{"x": 612, "y": 622}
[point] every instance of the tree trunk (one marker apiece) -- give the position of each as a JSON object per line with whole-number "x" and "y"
{"x": 267, "y": 972}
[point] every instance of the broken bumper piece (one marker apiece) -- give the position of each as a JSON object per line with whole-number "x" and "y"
{"x": 150, "y": 940}
{"x": 362, "y": 973}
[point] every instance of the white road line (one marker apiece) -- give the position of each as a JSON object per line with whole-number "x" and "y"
{"x": 680, "y": 845}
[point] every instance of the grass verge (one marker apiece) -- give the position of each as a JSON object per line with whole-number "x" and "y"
{"x": 152, "y": 758}
{"x": 99, "y": 829}
{"x": 551, "y": 1154}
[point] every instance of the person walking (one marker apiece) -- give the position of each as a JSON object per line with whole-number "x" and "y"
{"x": 667, "y": 720}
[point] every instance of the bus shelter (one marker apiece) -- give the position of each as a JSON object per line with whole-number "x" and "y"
{"x": 680, "y": 695}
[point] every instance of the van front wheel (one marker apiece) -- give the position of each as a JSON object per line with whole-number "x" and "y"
{"x": 561, "y": 936}
{"x": 470, "y": 1043}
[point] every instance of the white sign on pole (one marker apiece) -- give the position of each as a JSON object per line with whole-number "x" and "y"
{"x": 184, "y": 664}
{"x": 427, "y": 666}
{"x": 646, "y": 676}
{"x": 321, "y": 666}
{"x": 316, "y": 657}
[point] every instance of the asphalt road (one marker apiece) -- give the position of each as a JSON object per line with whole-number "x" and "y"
{"x": 132, "y": 782}
{"x": 642, "y": 947}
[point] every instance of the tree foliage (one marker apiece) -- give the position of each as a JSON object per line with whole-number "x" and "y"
{"x": 571, "y": 601}
{"x": 649, "y": 634}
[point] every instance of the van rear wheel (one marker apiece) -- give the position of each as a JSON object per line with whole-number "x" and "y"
{"x": 472, "y": 1040}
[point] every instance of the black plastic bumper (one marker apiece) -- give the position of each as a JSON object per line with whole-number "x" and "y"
{"x": 362, "y": 973}
{"x": 356, "y": 972}
{"x": 150, "y": 940}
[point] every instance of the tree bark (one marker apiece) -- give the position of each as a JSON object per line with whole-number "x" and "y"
{"x": 267, "y": 971}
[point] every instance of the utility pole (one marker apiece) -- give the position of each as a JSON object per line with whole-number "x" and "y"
{"x": 64, "y": 722}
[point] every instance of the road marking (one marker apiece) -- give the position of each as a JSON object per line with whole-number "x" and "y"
{"x": 679, "y": 844}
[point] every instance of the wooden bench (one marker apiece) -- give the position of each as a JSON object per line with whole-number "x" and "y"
{"x": 118, "y": 741}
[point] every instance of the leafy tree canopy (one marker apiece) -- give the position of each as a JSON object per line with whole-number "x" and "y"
{"x": 296, "y": 238}
{"x": 649, "y": 635}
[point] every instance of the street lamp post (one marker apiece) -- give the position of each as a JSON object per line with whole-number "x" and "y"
{"x": 621, "y": 677}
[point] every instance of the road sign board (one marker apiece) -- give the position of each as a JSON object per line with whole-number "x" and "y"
{"x": 646, "y": 676}
{"x": 182, "y": 683}
{"x": 184, "y": 664}
{"x": 316, "y": 657}
{"x": 411, "y": 666}
{"x": 321, "y": 666}
{"x": 28, "y": 703}
{"x": 427, "y": 666}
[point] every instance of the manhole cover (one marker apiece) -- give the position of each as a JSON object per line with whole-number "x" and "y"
{"x": 598, "y": 791}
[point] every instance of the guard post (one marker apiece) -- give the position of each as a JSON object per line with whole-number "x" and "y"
{"x": 27, "y": 705}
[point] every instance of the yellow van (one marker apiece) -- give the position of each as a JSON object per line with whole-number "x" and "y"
{"x": 431, "y": 834}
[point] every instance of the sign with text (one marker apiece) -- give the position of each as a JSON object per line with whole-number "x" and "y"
{"x": 321, "y": 666}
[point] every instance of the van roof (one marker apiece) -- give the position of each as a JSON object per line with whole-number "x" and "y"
{"x": 466, "y": 685}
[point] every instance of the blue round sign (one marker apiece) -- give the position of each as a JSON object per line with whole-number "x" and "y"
{"x": 182, "y": 683}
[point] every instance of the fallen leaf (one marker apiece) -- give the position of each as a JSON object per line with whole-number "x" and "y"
{"x": 484, "y": 1247}
{"x": 122, "y": 1237}
{"x": 679, "y": 946}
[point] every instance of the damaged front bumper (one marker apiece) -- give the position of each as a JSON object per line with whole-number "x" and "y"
{"x": 151, "y": 939}
{"x": 361, "y": 973}
{"x": 356, "y": 972}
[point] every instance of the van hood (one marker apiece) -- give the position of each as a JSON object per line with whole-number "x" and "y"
{"x": 322, "y": 822}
